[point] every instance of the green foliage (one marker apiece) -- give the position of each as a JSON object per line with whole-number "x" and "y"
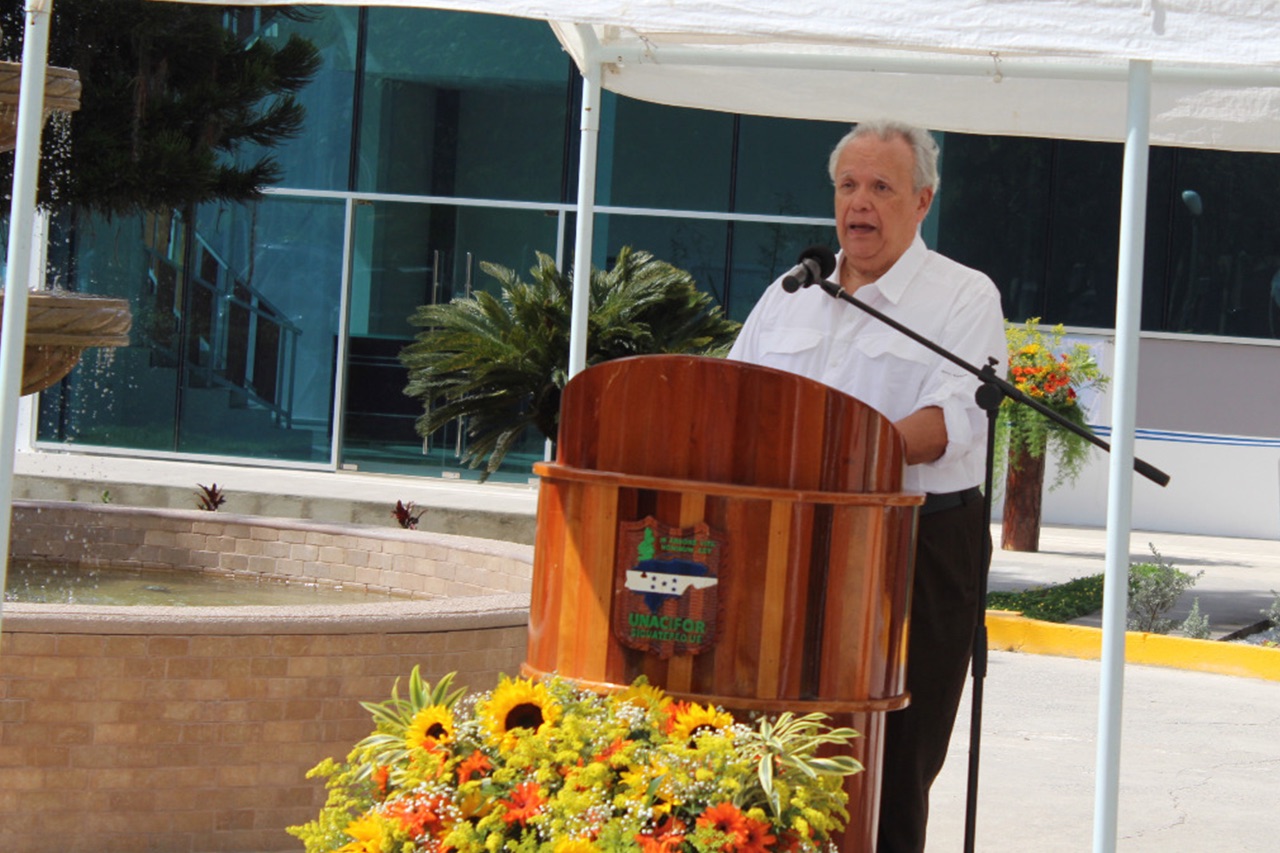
{"x": 1154, "y": 588}
{"x": 1055, "y": 603}
{"x": 1053, "y": 375}
{"x": 500, "y": 361}
{"x": 170, "y": 96}
{"x": 1196, "y": 625}
{"x": 1273, "y": 612}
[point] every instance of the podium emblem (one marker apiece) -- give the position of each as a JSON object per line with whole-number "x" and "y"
{"x": 667, "y": 583}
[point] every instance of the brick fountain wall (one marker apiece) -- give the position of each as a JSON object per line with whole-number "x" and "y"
{"x": 181, "y": 730}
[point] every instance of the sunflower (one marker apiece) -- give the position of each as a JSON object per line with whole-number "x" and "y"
{"x": 691, "y": 720}
{"x": 368, "y": 832}
{"x": 645, "y": 695}
{"x": 430, "y": 726}
{"x": 518, "y": 704}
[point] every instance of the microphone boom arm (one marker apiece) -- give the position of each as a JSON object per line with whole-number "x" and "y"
{"x": 987, "y": 375}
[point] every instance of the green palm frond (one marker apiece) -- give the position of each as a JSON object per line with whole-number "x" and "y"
{"x": 500, "y": 361}
{"x": 792, "y": 741}
{"x": 392, "y": 718}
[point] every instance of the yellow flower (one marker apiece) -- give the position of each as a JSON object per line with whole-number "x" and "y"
{"x": 693, "y": 720}
{"x": 645, "y": 695}
{"x": 431, "y": 725}
{"x": 369, "y": 833}
{"x": 518, "y": 704}
{"x": 575, "y": 845}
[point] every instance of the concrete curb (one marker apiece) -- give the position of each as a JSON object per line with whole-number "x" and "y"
{"x": 1007, "y": 631}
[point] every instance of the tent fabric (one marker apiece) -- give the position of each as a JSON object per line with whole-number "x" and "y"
{"x": 1050, "y": 68}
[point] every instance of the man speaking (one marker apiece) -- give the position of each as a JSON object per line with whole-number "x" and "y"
{"x": 885, "y": 175}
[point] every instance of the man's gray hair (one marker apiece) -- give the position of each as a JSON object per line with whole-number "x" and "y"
{"x": 922, "y": 143}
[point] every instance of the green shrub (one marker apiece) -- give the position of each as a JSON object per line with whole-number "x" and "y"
{"x": 1196, "y": 626}
{"x": 1273, "y": 613}
{"x": 1055, "y": 603}
{"x": 1154, "y": 588}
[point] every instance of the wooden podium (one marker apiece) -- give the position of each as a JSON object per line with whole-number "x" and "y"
{"x": 777, "y": 504}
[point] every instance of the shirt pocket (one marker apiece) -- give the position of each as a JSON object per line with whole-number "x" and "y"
{"x": 795, "y": 350}
{"x": 893, "y": 346}
{"x": 899, "y": 363}
{"x": 789, "y": 341}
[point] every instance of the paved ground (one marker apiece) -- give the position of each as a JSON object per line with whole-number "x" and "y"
{"x": 1199, "y": 760}
{"x": 1200, "y": 753}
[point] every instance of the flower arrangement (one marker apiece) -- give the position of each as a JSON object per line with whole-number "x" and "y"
{"x": 547, "y": 767}
{"x": 1053, "y": 375}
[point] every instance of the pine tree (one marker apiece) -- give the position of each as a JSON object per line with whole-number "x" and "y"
{"x": 172, "y": 95}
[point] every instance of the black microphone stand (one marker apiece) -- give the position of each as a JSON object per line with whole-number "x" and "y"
{"x": 990, "y": 394}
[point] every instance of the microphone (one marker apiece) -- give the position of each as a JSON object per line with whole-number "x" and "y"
{"x": 814, "y": 264}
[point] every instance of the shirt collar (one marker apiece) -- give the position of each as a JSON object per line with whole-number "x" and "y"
{"x": 893, "y": 284}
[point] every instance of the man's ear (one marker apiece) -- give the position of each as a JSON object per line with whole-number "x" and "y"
{"x": 924, "y": 200}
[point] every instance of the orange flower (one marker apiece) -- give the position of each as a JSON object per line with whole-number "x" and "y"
{"x": 525, "y": 802}
{"x": 420, "y": 815}
{"x": 609, "y": 751}
{"x": 473, "y": 767}
{"x": 381, "y": 777}
{"x": 758, "y": 837}
{"x": 667, "y": 837}
{"x": 728, "y": 819}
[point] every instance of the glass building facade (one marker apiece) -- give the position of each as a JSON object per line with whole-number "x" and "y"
{"x": 436, "y": 142}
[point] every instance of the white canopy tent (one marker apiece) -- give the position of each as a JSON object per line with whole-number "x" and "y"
{"x": 1202, "y": 73}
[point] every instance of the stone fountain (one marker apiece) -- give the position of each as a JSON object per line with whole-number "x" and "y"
{"x": 60, "y": 325}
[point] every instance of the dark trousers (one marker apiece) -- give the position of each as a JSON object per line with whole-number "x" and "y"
{"x": 944, "y": 615}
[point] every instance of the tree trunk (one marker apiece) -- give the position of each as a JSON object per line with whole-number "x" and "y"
{"x": 1023, "y": 485}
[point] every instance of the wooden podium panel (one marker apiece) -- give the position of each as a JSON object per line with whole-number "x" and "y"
{"x": 795, "y": 488}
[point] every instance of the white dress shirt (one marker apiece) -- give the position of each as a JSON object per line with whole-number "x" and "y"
{"x": 815, "y": 335}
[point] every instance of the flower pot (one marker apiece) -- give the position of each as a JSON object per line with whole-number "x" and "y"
{"x": 1023, "y": 486}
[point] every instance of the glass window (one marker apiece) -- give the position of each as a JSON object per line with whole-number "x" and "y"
{"x": 319, "y": 158}
{"x": 125, "y": 396}
{"x": 260, "y": 334}
{"x": 697, "y": 246}
{"x": 406, "y": 255}
{"x": 664, "y": 157}
{"x": 993, "y": 208}
{"x": 764, "y": 251}
{"x": 462, "y": 105}
{"x": 1224, "y": 260}
{"x": 782, "y": 166}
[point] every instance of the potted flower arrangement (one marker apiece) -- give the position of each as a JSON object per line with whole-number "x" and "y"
{"x": 1053, "y": 374}
{"x": 547, "y": 767}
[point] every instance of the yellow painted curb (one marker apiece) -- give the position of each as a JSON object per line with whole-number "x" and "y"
{"x": 1007, "y": 631}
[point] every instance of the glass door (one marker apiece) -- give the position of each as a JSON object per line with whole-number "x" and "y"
{"x": 404, "y": 255}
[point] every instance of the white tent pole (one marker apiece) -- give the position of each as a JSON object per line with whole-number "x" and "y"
{"x": 1133, "y": 208}
{"x": 589, "y": 144}
{"x": 22, "y": 212}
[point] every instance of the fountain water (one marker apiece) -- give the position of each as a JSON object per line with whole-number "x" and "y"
{"x": 60, "y": 326}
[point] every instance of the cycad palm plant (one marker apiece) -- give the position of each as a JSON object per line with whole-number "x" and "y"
{"x": 500, "y": 361}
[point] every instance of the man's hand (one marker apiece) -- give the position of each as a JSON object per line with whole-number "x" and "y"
{"x": 925, "y": 433}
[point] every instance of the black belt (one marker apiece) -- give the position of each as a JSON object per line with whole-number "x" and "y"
{"x": 939, "y": 501}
